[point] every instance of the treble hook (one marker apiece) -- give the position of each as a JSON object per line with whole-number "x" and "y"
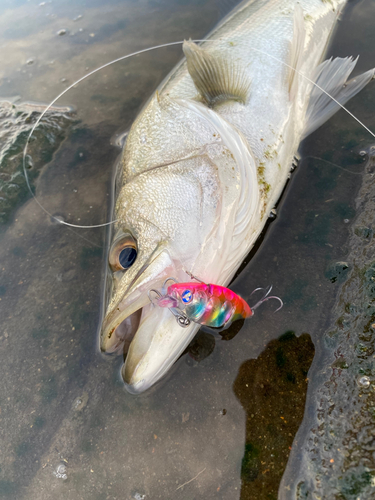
{"x": 265, "y": 298}
{"x": 163, "y": 288}
{"x": 157, "y": 293}
{"x": 181, "y": 319}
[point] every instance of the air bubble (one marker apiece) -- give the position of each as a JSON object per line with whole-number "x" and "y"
{"x": 60, "y": 472}
{"x": 346, "y": 221}
{"x": 78, "y": 17}
{"x": 30, "y": 61}
{"x": 364, "y": 382}
{"x": 61, "y": 32}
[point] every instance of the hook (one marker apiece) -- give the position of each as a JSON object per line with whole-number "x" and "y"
{"x": 265, "y": 298}
{"x": 163, "y": 288}
{"x": 157, "y": 293}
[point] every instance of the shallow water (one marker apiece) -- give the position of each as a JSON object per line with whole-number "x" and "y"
{"x": 228, "y": 413}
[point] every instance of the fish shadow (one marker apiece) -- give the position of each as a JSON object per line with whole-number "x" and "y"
{"x": 272, "y": 391}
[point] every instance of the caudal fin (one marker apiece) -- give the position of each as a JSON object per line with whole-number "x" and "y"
{"x": 332, "y": 77}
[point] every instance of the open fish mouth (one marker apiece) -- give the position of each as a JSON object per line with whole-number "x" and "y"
{"x": 120, "y": 327}
{"x": 124, "y": 333}
{"x": 150, "y": 334}
{"x": 157, "y": 344}
{"x": 153, "y": 338}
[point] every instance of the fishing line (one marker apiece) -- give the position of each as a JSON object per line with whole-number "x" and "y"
{"x": 122, "y": 58}
{"x": 332, "y": 164}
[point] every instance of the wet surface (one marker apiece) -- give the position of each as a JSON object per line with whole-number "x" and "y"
{"x": 68, "y": 428}
{"x": 334, "y": 453}
{"x": 272, "y": 391}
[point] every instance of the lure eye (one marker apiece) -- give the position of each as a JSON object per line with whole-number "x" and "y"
{"x": 187, "y": 296}
{"x": 123, "y": 253}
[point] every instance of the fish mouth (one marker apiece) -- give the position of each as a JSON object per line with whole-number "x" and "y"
{"x": 151, "y": 334}
{"x": 120, "y": 326}
{"x": 157, "y": 344}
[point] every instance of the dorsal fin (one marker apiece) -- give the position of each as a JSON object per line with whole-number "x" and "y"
{"x": 216, "y": 79}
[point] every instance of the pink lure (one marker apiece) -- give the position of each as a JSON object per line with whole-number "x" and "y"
{"x": 210, "y": 305}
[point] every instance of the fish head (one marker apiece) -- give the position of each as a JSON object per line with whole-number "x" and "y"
{"x": 175, "y": 212}
{"x": 155, "y": 337}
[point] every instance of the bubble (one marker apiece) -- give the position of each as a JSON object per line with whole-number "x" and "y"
{"x": 61, "y": 32}
{"x": 77, "y": 403}
{"x": 78, "y": 17}
{"x": 346, "y": 221}
{"x": 60, "y": 472}
{"x": 364, "y": 381}
{"x": 30, "y": 61}
{"x": 138, "y": 496}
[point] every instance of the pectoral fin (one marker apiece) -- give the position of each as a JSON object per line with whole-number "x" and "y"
{"x": 216, "y": 79}
{"x": 332, "y": 76}
{"x": 297, "y": 50}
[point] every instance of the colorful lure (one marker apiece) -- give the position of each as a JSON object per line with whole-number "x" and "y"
{"x": 211, "y": 305}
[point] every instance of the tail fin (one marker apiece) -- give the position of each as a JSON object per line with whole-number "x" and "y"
{"x": 331, "y": 76}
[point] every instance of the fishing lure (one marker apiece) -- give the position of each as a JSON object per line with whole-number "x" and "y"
{"x": 206, "y": 304}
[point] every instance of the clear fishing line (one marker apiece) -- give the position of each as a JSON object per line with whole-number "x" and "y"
{"x": 127, "y": 57}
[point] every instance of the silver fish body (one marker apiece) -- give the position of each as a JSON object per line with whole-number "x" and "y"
{"x": 206, "y": 161}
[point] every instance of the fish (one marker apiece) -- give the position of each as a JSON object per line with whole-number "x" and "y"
{"x": 207, "y": 159}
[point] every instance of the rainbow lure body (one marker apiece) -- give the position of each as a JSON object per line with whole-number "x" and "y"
{"x": 210, "y": 305}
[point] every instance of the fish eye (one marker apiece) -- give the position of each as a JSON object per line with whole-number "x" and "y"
{"x": 127, "y": 257}
{"x": 123, "y": 253}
